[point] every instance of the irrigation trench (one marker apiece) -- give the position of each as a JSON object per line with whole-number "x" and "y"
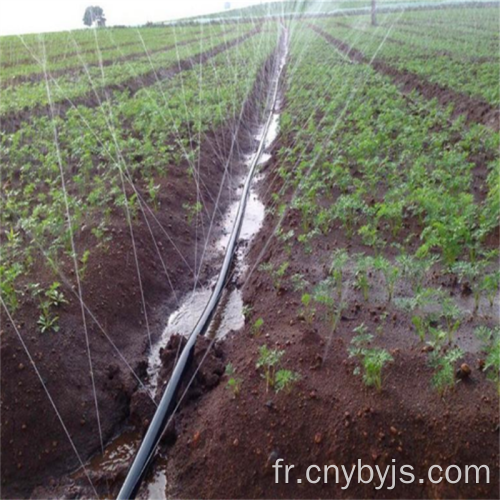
{"x": 167, "y": 405}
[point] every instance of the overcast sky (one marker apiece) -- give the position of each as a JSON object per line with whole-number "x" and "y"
{"x": 36, "y": 16}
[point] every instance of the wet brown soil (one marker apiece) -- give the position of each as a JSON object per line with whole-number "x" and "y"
{"x": 33, "y": 444}
{"x": 223, "y": 446}
{"x": 34, "y": 447}
{"x": 227, "y": 443}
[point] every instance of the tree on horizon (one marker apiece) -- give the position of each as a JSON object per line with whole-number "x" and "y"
{"x": 94, "y": 16}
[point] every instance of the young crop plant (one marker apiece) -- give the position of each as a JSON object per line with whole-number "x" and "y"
{"x": 285, "y": 379}
{"x": 299, "y": 283}
{"x": 444, "y": 368}
{"x": 306, "y": 239}
{"x": 447, "y": 225}
{"x": 247, "y": 311}
{"x": 13, "y": 238}
{"x": 269, "y": 360}
{"x": 308, "y": 311}
{"x": 337, "y": 270}
{"x": 363, "y": 265}
{"x": 83, "y": 264}
{"x": 420, "y": 319}
{"x": 276, "y": 378}
{"x": 349, "y": 209}
{"x": 370, "y": 237}
{"x": 415, "y": 269}
{"x": 52, "y": 298}
{"x": 153, "y": 190}
{"x": 47, "y": 321}
{"x": 471, "y": 273}
{"x": 193, "y": 210}
{"x": 451, "y": 315}
{"x": 286, "y": 238}
{"x": 372, "y": 359}
{"x": 339, "y": 172}
{"x": 324, "y": 294}
{"x": 8, "y": 276}
{"x": 490, "y": 285}
{"x": 233, "y": 383}
{"x": 55, "y": 297}
{"x": 392, "y": 212}
{"x": 257, "y": 327}
{"x": 277, "y": 274}
{"x": 391, "y": 274}
{"x": 490, "y": 339}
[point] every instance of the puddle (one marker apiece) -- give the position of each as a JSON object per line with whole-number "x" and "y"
{"x": 154, "y": 488}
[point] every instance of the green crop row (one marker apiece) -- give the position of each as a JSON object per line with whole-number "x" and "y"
{"x": 93, "y": 78}
{"x": 135, "y": 137}
{"x": 477, "y": 79}
{"x": 16, "y": 49}
{"x": 76, "y": 55}
{"x": 407, "y": 197}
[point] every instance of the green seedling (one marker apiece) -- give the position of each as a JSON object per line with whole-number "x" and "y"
{"x": 192, "y": 210}
{"x": 363, "y": 265}
{"x": 472, "y": 274}
{"x": 452, "y": 316}
{"x": 489, "y": 286}
{"x": 247, "y": 311}
{"x": 490, "y": 339}
{"x": 372, "y": 359}
{"x": 391, "y": 274}
{"x": 298, "y": 282}
{"x": 415, "y": 269}
{"x": 153, "y": 190}
{"x": 46, "y": 320}
{"x": 444, "y": 368}
{"x": 337, "y": 269}
{"x": 268, "y": 360}
{"x": 416, "y": 305}
{"x": 257, "y": 327}
{"x": 83, "y": 264}
{"x": 277, "y": 274}
{"x": 285, "y": 379}
{"x": 370, "y": 237}
{"x": 233, "y": 383}
{"x": 308, "y": 310}
{"x": 55, "y": 297}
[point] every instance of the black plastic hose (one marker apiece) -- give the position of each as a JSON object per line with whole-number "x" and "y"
{"x": 163, "y": 412}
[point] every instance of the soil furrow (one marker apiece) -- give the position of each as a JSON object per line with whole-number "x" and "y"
{"x": 430, "y": 53}
{"x": 116, "y": 304}
{"x": 12, "y": 122}
{"x": 436, "y": 24}
{"x": 75, "y": 70}
{"x": 82, "y": 50}
{"x": 474, "y": 109}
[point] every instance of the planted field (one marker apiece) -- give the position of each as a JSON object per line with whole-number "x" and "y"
{"x": 359, "y": 315}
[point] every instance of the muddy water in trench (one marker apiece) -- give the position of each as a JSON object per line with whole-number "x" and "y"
{"x": 120, "y": 452}
{"x": 230, "y": 312}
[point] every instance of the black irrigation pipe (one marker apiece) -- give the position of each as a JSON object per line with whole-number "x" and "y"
{"x": 167, "y": 404}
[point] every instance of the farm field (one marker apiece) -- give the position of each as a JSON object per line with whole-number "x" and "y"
{"x": 360, "y": 317}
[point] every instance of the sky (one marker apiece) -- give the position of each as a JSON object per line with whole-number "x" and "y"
{"x": 40, "y": 16}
